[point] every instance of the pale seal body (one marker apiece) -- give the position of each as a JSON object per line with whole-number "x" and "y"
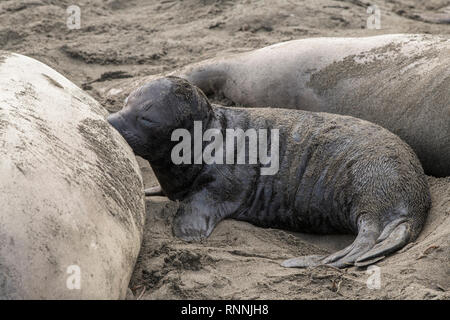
{"x": 71, "y": 194}
{"x": 400, "y": 82}
{"x": 337, "y": 174}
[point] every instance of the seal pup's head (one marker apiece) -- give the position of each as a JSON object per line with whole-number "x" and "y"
{"x": 152, "y": 112}
{"x": 148, "y": 119}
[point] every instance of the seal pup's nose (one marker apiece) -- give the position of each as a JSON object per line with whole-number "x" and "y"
{"x": 116, "y": 120}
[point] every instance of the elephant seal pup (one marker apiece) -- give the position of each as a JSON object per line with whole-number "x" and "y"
{"x": 400, "y": 82}
{"x": 336, "y": 173}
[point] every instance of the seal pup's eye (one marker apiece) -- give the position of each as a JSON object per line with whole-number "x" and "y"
{"x": 147, "y": 106}
{"x": 147, "y": 122}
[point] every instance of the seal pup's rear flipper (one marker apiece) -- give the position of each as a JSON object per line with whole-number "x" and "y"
{"x": 394, "y": 237}
{"x": 304, "y": 261}
{"x": 368, "y": 234}
{"x": 368, "y": 248}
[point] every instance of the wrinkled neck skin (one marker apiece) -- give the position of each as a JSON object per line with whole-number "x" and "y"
{"x": 176, "y": 180}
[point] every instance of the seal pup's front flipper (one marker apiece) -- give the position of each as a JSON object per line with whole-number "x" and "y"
{"x": 198, "y": 215}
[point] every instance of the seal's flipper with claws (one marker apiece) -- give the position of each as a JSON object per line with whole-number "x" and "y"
{"x": 368, "y": 248}
{"x": 368, "y": 233}
{"x": 394, "y": 241}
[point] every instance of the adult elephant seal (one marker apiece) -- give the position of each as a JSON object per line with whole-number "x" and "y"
{"x": 401, "y": 82}
{"x": 71, "y": 194}
{"x": 336, "y": 173}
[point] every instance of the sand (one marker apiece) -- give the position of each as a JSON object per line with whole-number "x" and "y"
{"x": 132, "y": 38}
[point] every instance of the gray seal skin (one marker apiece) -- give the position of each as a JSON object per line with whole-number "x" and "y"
{"x": 337, "y": 174}
{"x": 71, "y": 192}
{"x": 400, "y": 82}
